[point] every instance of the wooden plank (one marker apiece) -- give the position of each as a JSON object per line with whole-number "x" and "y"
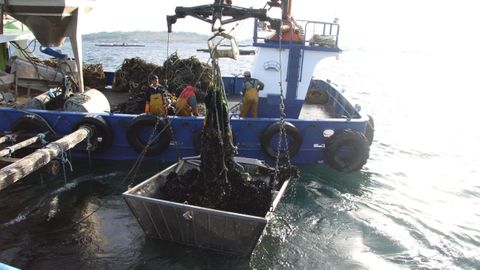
{"x": 18, "y": 170}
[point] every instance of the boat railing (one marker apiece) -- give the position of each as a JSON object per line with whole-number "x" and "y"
{"x": 322, "y": 34}
{"x": 339, "y": 105}
{"x": 313, "y": 34}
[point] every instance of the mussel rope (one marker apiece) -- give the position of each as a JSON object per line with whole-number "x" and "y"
{"x": 220, "y": 87}
{"x": 216, "y": 75}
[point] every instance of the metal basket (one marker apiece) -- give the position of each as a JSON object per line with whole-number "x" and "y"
{"x": 221, "y": 231}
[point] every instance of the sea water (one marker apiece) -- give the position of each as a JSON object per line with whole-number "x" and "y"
{"x": 414, "y": 205}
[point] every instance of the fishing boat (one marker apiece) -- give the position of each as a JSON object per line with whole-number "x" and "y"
{"x": 123, "y": 44}
{"x": 334, "y": 131}
{"x": 242, "y": 52}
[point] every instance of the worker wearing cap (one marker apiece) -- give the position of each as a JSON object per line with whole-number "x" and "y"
{"x": 251, "y": 87}
{"x": 154, "y": 100}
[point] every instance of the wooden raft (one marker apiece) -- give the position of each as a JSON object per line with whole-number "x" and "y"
{"x": 30, "y": 163}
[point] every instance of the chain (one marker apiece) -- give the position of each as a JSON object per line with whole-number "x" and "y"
{"x": 283, "y": 133}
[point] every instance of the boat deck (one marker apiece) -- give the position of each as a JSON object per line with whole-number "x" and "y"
{"x": 308, "y": 112}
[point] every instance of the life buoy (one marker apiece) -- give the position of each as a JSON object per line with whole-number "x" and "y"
{"x": 102, "y": 137}
{"x": 346, "y": 150}
{"x": 32, "y": 123}
{"x": 270, "y": 143}
{"x": 370, "y": 130}
{"x": 139, "y": 142}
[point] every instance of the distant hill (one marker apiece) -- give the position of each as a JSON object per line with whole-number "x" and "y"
{"x": 143, "y": 36}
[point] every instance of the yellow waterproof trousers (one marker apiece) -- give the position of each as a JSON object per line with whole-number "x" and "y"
{"x": 182, "y": 107}
{"x": 250, "y": 102}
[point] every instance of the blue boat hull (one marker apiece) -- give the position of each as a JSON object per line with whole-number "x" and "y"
{"x": 247, "y": 132}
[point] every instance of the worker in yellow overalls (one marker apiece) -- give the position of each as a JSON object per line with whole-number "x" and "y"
{"x": 187, "y": 102}
{"x": 251, "y": 87}
{"x": 154, "y": 100}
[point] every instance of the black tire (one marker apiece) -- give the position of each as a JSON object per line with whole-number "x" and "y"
{"x": 144, "y": 121}
{"x": 294, "y": 143}
{"x": 32, "y": 123}
{"x": 370, "y": 130}
{"x": 347, "y": 150}
{"x": 102, "y": 137}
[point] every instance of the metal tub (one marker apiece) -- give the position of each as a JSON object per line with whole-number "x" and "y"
{"x": 221, "y": 231}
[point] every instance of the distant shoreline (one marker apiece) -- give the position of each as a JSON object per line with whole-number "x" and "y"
{"x": 144, "y": 37}
{"x": 119, "y": 45}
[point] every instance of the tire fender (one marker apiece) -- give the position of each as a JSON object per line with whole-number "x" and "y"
{"x": 370, "y": 130}
{"x": 148, "y": 120}
{"x": 102, "y": 136}
{"x": 294, "y": 143}
{"x": 32, "y": 123}
{"x": 346, "y": 150}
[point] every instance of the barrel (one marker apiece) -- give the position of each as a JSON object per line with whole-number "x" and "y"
{"x": 92, "y": 101}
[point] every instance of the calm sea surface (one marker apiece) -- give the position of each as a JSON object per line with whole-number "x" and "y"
{"x": 413, "y": 206}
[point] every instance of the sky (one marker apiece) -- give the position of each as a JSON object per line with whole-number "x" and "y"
{"x": 403, "y": 24}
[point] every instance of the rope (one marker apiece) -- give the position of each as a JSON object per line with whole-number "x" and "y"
{"x": 63, "y": 159}
{"x": 168, "y": 55}
{"x": 141, "y": 156}
{"x": 169, "y": 121}
{"x": 41, "y": 137}
{"x": 41, "y": 118}
{"x": 10, "y": 151}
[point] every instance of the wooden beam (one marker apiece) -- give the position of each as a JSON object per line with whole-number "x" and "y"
{"x": 4, "y": 139}
{"x": 10, "y": 149}
{"x": 23, "y": 167}
{"x": 7, "y": 160}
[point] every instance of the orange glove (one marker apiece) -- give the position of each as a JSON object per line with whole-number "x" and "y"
{"x": 147, "y": 107}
